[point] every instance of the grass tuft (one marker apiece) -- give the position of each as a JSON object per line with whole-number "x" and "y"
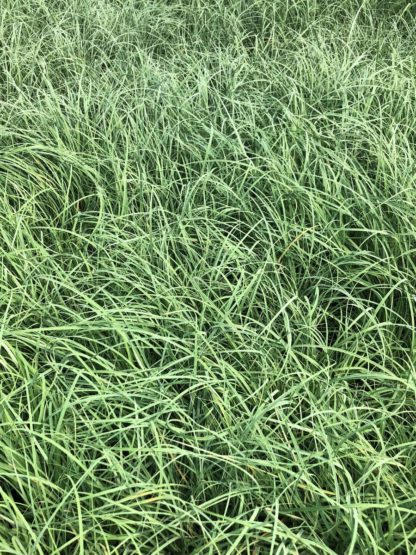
{"x": 208, "y": 277}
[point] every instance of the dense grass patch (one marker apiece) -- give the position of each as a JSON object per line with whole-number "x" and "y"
{"x": 208, "y": 277}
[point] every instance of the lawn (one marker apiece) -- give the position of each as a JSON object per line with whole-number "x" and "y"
{"x": 207, "y": 277}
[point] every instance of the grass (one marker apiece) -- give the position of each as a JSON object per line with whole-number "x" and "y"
{"x": 208, "y": 277}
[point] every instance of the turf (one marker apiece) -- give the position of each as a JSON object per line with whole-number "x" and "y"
{"x": 208, "y": 277}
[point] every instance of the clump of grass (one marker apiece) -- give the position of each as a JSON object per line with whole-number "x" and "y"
{"x": 208, "y": 260}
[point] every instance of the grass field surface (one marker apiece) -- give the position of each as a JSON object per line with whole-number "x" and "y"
{"x": 208, "y": 277}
